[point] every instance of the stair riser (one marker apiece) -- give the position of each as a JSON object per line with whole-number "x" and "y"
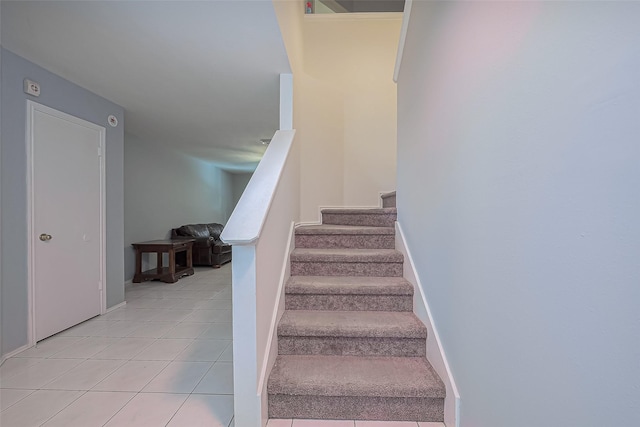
{"x": 350, "y": 346}
{"x": 389, "y": 202}
{"x": 370, "y": 220}
{"x": 357, "y": 408}
{"x": 328, "y": 241}
{"x": 349, "y": 302}
{"x": 369, "y": 269}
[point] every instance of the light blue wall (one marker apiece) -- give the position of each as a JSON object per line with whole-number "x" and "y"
{"x": 519, "y": 194}
{"x": 166, "y": 189}
{"x": 67, "y": 97}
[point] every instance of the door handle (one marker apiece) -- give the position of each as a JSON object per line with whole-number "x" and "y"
{"x": 45, "y": 237}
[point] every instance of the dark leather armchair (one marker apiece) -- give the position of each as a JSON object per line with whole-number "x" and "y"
{"x": 208, "y": 249}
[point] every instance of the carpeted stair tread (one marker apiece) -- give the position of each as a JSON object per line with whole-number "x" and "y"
{"x": 343, "y": 229}
{"x": 354, "y": 376}
{"x": 377, "y": 217}
{"x": 346, "y": 255}
{"x": 360, "y": 211}
{"x": 369, "y": 324}
{"x": 348, "y": 285}
{"x": 345, "y": 236}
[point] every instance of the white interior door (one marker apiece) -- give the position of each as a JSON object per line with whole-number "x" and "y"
{"x": 67, "y": 220}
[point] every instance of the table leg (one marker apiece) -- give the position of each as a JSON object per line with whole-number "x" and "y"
{"x": 190, "y": 257}
{"x": 159, "y": 262}
{"x": 136, "y": 277}
{"x": 172, "y": 265}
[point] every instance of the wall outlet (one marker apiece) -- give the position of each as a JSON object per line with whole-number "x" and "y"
{"x": 32, "y": 88}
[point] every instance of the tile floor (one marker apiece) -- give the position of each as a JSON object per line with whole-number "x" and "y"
{"x": 164, "y": 359}
{"x": 336, "y": 423}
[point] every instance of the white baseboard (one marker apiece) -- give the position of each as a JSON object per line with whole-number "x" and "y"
{"x": 380, "y": 194}
{"x": 14, "y": 352}
{"x": 435, "y": 352}
{"x": 272, "y": 343}
{"x": 115, "y": 307}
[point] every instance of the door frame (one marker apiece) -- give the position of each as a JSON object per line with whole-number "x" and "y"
{"x": 32, "y": 107}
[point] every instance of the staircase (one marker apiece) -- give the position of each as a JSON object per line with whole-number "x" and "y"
{"x": 349, "y": 345}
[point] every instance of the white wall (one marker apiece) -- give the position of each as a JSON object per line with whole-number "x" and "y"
{"x": 518, "y": 192}
{"x": 344, "y": 105}
{"x": 166, "y": 189}
{"x": 321, "y": 146}
{"x": 355, "y": 54}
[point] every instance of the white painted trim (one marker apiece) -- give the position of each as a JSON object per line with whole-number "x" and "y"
{"x": 248, "y": 217}
{"x": 278, "y": 309}
{"x": 359, "y": 16}
{"x": 380, "y": 194}
{"x": 247, "y": 404}
{"x": 435, "y": 352}
{"x": 32, "y": 107}
{"x": 115, "y": 307}
{"x": 14, "y": 352}
{"x": 406, "y": 15}
{"x": 286, "y": 101}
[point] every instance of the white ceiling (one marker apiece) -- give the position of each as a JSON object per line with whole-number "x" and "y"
{"x": 200, "y": 76}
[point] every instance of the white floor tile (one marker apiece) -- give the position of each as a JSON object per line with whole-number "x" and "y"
{"x": 49, "y": 347}
{"x": 227, "y": 355}
{"x": 41, "y": 385}
{"x": 86, "y": 348}
{"x": 187, "y": 330}
{"x": 187, "y": 304}
{"x": 171, "y": 315}
{"x": 118, "y": 328}
{"x": 35, "y": 376}
{"x": 84, "y": 376}
{"x": 218, "y": 331}
{"x": 130, "y": 313}
{"x": 213, "y": 305}
{"x": 178, "y": 377}
{"x": 164, "y": 349}
{"x": 15, "y": 365}
{"x": 219, "y": 380}
{"x": 278, "y": 422}
{"x": 37, "y": 408}
{"x": 204, "y": 350}
{"x": 94, "y": 408}
{"x": 153, "y": 329}
{"x": 204, "y": 411}
{"x": 322, "y": 423}
{"x": 132, "y": 376}
{"x": 85, "y": 329}
{"x": 148, "y": 410}
{"x": 386, "y": 424}
{"x": 217, "y": 316}
{"x": 9, "y": 397}
{"x": 124, "y": 349}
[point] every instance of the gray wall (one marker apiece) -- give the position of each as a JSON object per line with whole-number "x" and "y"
{"x": 166, "y": 189}
{"x": 239, "y": 182}
{"x": 519, "y": 194}
{"x": 64, "y": 96}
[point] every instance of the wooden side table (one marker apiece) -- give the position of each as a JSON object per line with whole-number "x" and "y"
{"x": 172, "y": 272}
